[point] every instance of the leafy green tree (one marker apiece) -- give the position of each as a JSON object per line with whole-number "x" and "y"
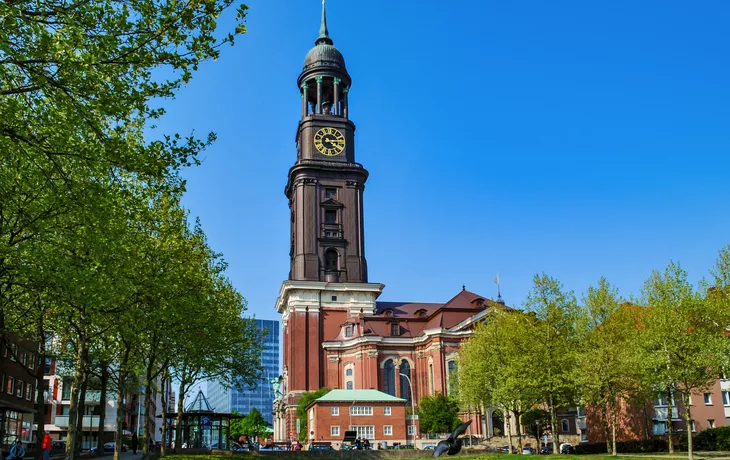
{"x": 438, "y": 413}
{"x": 555, "y": 343}
{"x": 305, "y": 400}
{"x": 254, "y": 426}
{"x": 608, "y": 364}
{"x": 535, "y": 422}
{"x": 684, "y": 341}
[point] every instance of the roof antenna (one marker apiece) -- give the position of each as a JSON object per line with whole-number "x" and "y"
{"x": 499, "y": 294}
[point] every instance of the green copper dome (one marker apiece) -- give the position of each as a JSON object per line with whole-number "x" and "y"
{"x": 325, "y": 55}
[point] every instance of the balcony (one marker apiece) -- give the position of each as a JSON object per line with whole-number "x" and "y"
{"x": 92, "y": 397}
{"x": 90, "y": 421}
{"x": 332, "y": 231}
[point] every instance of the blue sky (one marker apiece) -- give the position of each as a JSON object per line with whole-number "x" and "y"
{"x": 576, "y": 138}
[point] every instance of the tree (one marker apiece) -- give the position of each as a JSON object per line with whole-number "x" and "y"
{"x": 253, "y": 425}
{"x": 553, "y": 329}
{"x": 535, "y": 422}
{"x": 305, "y": 400}
{"x": 495, "y": 364}
{"x": 438, "y": 413}
{"x": 608, "y": 364}
{"x": 684, "y": 342}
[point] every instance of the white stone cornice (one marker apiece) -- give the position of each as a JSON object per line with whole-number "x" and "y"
{"x": 428, "y": 334}
{"x": 301, "y": 295}
{"x": 470, "y": 320}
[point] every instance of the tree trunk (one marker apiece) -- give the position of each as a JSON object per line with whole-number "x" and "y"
{"x": 121, "y": 384}
{"x": 614, "y": 420}
{"x": 40, "y": 401}
{"x": 82, "y": 407}
{"x": 518, "y": 427}
{"x": 604, "y": 423}
{"x": 670, "y": 443}
{"x": 73, "y": 414}
{"x": 688, "y": 418}
{"x": 149, "y": 432}
{"x": 102, "y": 406}
{"x": 179, "y": 417}
{"x": 508, "y": 426}
{"x": 554, "y": 423}
{"x": 164, "y": 397}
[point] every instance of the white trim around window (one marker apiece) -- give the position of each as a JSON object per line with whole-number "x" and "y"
{"x": 361, "y": 410}
{"x": 387, "y": 430}
{"x": 334, "y": 431}
{"x": 335, "y": 411}
{"x": 386, "y": 411}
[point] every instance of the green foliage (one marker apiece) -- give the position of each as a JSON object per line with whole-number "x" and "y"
{"x": 252, "y": 425}
{"x": 305, "y": 400}
{"x": 535, "y": 421}
{"x": 438, "y": 413}
{"x": 713, "y": 439}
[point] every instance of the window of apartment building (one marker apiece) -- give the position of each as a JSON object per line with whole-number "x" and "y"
{"x": 24, "y": 357}
{"x": 14, "y": 352}
{"x": 335, "y": 410}
{"x": 659, "y": 428}
{"x": 47, "y": 367}
{"x": 334, "y": 431}
{"x": 387, "y": 430}
{"x": 726, "y": 398}
{"x": 66, "y": 390}
{"x": 662, "y": 401}
{"x": 386, "y": 410}
{"x": 411, "y": 430}
{"x": 10, "y": 385}
{"x": 350, "y": 386}
{"x": 361, "y": 410}
{"x": 710, "y": 423}
{"x": 28, "y": 391}
{"x": 692, "y": 425}
{"x": 564, "y": 426}
{"x": 31, "y": 361}
{"x": 19, "y": 389}
{"x": 708, "y": 399}
{"x": 364, "y": 431}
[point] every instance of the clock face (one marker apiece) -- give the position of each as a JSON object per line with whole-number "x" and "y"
{"x": 329, "y": 141}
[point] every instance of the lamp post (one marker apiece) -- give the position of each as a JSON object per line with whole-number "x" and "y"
{"x": 413, "y": 408}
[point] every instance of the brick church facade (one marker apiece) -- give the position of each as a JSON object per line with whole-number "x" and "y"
{"x": 336, "y": 334}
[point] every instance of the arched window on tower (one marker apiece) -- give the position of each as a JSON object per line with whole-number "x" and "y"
{"x": 389, "y": 377}
{"x": 405, "y": 386}
{"x": 330, "y": 260}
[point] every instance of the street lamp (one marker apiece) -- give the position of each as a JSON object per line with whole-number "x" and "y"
{"x": 413, "y": 408}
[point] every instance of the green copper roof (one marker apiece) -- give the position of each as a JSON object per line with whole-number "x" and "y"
{"x": 358, "y": 396}
{"x": 323, "y": 32}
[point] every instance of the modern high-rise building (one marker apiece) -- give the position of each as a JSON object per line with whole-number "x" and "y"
{"x": 262, "y": 395}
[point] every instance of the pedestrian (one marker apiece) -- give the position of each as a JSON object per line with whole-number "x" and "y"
{"x": 46, "y": 446}
{"x": 298, "y": 447}
{"x": 366, "y": 444}
{"x": 135, "y": 443}
{"x": 17, "y": 451}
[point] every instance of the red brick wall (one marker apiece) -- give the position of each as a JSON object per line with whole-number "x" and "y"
{"x": 324, "y": 420}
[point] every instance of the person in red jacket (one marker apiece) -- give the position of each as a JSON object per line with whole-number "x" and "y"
{"x": 46, "y": 446}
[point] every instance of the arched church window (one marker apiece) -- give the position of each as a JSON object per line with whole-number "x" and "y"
{"x": 430, "y": 378}
{"x": 405, "y": 386}
{"x": 330, "y": 260}
{"x": 565, "y": 426}
{"x": 453, "y": 378}
{"x": 389, "y": 377}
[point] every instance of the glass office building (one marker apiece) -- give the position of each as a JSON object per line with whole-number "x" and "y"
{"x": 262, "y": 396}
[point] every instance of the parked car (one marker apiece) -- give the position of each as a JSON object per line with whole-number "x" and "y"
{"x": 567, "y": 448}
{"x": 429, "y": 446}
{"x": 58, "y": 446}
{"x": 108, "y": 448}
{"x": 506, "y": 449}
{"x": 547, "y": 450}
{"x": 528, "y": 451}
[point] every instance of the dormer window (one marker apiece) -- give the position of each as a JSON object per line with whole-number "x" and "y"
{"x": 388, "y": 312}
{"x": 421, "y": 313}
{"x": 478, "y": 303}
{"x": 395, "y": 328}
{"x": 348, "y": 330}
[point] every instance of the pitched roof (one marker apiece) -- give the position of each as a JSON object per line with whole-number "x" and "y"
{"x": 199, "y": 404}
{"x": 358, "y": 396}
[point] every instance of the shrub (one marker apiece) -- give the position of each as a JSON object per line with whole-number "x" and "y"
{"x": 713, "y": 439}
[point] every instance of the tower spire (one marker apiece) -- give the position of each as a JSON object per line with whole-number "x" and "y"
{"x": 324, "y": 36}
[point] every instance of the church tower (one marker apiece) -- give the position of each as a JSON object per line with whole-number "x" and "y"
{"x": 328, "y": 286}
{"x": 325, "y": 186}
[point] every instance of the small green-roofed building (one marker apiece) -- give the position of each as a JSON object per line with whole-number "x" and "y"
{"x": 359, "y": 396}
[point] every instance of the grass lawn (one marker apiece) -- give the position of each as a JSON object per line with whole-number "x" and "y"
{"x": 659, "y": 455}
